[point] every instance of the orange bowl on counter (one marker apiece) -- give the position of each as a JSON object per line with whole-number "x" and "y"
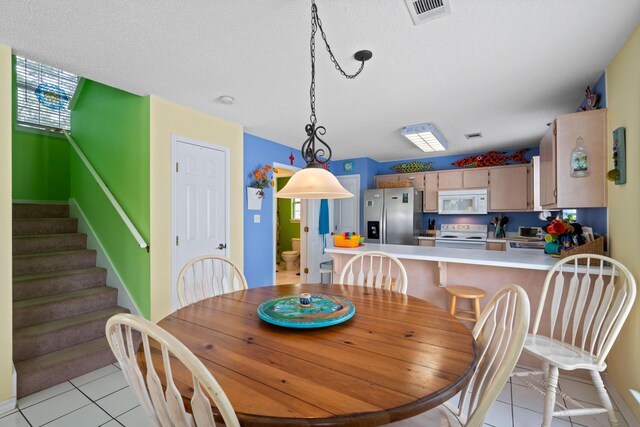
{"x": 340, "y": 241}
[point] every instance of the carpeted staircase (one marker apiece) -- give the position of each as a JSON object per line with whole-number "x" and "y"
{"x": 60, "y": 299}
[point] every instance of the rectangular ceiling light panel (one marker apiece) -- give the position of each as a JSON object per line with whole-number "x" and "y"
{"x": 426, "y": 137}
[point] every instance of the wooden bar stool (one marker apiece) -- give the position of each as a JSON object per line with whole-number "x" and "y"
{"x": 465, "y": 292}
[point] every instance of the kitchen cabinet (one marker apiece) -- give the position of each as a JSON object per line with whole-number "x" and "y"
{"x": 467, "y": 178}
{"x": 450, "y": 180}
{"x": 425, "y": 242}
{"x": 511, "y": 188}
{"x": 475, "y": 178}
{"x": 496, "y": 246}
{"x": 558, "y": 189}
{"x": 430, "y": 192}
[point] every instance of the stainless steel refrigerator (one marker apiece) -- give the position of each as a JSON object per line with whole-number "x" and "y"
{"x": 393, "y": 215}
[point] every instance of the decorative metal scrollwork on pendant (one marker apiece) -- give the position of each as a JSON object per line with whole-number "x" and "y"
{"x": 309, "y": 152}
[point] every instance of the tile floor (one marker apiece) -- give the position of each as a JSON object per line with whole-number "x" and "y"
{"x": 102, "y": 398}
{"x": 284, "y": 277}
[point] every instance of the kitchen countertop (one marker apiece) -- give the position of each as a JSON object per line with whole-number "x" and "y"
{"x": 523, "y": 260}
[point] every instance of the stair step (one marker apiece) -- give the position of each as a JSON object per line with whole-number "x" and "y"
{"x": 30, "y": 226}
{"x": 53, "y": 261}
{"x": 54, "y": 368}
{"x": 48, "y": 243}
{"x": 34, "y": 341}
{"x": 53, "y": 307}
{"x": 40, "y": 210}
{"x": 40, "y": 285}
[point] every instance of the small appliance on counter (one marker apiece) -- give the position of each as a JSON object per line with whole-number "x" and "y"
{"x": 533, "y": 233}
{"x": 462, "y": 236}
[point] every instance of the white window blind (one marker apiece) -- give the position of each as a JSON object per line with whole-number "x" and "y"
{"x": 43, "y": 95}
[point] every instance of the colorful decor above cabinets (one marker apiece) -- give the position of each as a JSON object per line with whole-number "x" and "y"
{"x": 412, "y": 167}
{"x": 591, "y": 100}
{"x": 619, "y": 171}
{"x": 492, "y": 158}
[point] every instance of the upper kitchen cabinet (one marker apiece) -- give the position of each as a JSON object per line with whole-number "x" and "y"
{"x": 416, "y": 179}
{"x": 511, "y": 188}
{"x": 467, "y": 178}
{"x": 559, "y": 187}
{"x": 430, "y": 194}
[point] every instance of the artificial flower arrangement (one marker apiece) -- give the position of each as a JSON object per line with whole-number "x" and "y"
{"x": 262, "y": 179}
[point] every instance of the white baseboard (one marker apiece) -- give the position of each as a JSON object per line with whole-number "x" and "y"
{"x": 10, "y": 404}
{"x": 114, "y": 279}
{"x": 622, "y": 405}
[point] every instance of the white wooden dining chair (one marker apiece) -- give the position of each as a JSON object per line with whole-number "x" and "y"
{"x": 376, "y": 269}
{"x": 166, "y": 408}
{"x": 587, "y": 306}
{"x": 207, "y": 276}
{"x": 499, "y": 333}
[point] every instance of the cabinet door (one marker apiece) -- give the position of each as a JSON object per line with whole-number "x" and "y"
{"x": 430, "y": 195}
{"x": 589, "y": 191}
{"x": 450, "y": 180}
{"x": 475, "y": 178}
{"x": 509, "y": 188}
{"x": 417, "y": 179}
{"x": 548, "y": 168}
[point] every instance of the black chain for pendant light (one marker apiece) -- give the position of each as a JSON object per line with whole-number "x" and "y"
{"x": 310, "y": 154}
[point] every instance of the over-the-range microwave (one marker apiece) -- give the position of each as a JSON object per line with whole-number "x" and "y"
{"x": 463, "y": 202}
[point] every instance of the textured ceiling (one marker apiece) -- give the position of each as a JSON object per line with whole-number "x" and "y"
{"x": 501, "y": 67}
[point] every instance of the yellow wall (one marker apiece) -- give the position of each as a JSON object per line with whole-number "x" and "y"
{"x": 623, "y": 102}
{"x": 6, "y": 337}
{"x": 167, "y": 119}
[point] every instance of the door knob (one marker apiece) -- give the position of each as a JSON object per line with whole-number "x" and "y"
{"x": 222, "y": 246}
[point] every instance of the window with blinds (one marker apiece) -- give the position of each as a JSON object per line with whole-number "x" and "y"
{"x": 43, "y": 95}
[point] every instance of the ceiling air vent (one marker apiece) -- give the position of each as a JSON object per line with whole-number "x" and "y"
{"x": 473, "y": 135}
{"x": 423, "y": 10}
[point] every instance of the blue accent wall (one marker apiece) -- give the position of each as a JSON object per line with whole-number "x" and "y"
{"x": 258, "y": 237}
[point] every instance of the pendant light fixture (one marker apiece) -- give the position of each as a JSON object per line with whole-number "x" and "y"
{"x": 315, "y": 182}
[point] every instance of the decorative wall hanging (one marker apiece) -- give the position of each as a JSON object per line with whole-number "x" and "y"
{"x": 579, "y": 160}
{"x": 348, "y": 166}
{"x": 619, "y": 171}
{"x": 412, "y": 167}
{"x": 254, "y": 198}
{"x": 492, "y": 158}
{"x": 291, "y": 158}
{"x": 51, "y": 96}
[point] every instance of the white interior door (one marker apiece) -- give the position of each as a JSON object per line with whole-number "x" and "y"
{"x": 347, "y": 211}
{"x": 200, "y": 202}
{"x": 311, "y": 258}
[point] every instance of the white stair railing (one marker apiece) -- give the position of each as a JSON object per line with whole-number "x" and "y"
{"x": 132, "y": 228}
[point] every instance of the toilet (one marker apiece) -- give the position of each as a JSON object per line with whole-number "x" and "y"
{"x": 292, "y": 258}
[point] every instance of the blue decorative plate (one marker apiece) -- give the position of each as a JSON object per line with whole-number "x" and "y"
{"x": 324, "y": 310}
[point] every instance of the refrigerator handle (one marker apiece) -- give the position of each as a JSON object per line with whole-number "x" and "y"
{"x": 383, "y": 226}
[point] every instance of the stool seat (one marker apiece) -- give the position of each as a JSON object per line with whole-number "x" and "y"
{"x": 465, "y": 292}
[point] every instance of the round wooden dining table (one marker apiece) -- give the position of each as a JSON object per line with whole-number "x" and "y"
{"x": 396, "y": 357}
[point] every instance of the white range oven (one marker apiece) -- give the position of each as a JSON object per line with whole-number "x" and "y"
{"x": 462, "y": 236}
{"x": 463, "y": 202}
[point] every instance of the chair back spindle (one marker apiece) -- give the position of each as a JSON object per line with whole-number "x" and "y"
{"x": 589, "y": 303}
{"x": 207, "y": 276}
{"x": 164, "y": 406}
{"x": 375, "y": 269}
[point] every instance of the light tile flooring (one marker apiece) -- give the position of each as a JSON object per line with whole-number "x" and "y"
{"x": 284, "y": 277}
{"x": 102, "y": 398}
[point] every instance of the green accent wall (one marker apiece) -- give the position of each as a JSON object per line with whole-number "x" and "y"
{"x": 287, "y": 228}
{"x": 40, "y": 161}
{"x": 111, "y": 127}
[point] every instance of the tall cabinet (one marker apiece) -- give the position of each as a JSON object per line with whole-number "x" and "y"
{"x": 558, "y": 188}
